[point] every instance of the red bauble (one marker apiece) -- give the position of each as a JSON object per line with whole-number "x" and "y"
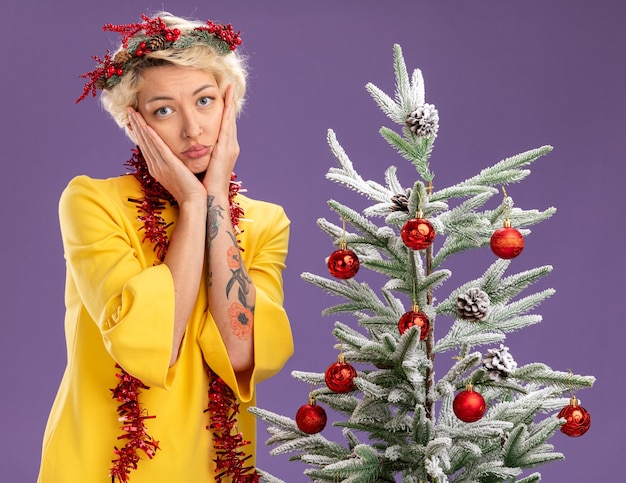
{"x": 311, "y": 418}
{"x": 340, "y": 376}
{"x": 418, "y": 233}
{"x": 507, "y": 242}
{"x": 343, "y": 263}
{"x": 414, "y": 318}
{"x": 578, "y": 419}
{"x": 469, "y": 406}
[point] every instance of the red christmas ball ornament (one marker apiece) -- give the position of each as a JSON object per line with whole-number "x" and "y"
{"x": 414, "y": 318}
{"x": 578, "y": 419}
{"x": 340, "y": 376}
{"x": 311, "y": 418}
{"x": 469, "y": 406}
{"x": 343, "y": 263}
{"x": 418, "y": 233}
{"x": 507, "y": 242}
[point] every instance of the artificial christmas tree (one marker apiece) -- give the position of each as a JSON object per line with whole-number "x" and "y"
{"x": 485, "y": 419}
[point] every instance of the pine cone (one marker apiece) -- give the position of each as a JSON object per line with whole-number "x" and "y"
{"x": 473, "y": 305}
{"x": 424, "y": 121}
{"x": 499, "y": 363}
{"x": 122, "y": 57}
{"x": 156, "y": 42}
{"x": 401, "y": 202}
{"x": 101, "y": 83}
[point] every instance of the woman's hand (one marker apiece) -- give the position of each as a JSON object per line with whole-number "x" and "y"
{"x": 225, "y": 152}
{"x": 163, "y": 165}
{"x": 186, "y": 248}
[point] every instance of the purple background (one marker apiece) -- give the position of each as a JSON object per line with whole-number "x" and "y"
{"x": 506, "y": 76}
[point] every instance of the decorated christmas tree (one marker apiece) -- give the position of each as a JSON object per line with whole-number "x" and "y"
{"x": 486, "y": 419}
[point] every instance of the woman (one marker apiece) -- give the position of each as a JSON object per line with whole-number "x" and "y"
{"x": 174, "y": 300}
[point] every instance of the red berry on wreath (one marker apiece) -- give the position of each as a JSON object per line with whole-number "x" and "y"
{"x": 343, "y": 263}
{"x": 414, "y": 318}
{"x": 340, "y": 376}
{"x": 578, "y": 419}
{"x": 507, "y": 242}
{"x": 469, "y": 406}
{"x": 311, "y": 418}
{"x": 418, "y": 233}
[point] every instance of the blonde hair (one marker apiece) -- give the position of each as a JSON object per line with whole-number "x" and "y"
{"x": 228, "y": 69}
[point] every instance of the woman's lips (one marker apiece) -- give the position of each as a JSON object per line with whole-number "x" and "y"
{"x": 197, "y": 151}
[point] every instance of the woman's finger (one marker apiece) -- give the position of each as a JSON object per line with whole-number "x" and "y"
{"x": 226, "y": 149}
{"x": 149, "y": 142}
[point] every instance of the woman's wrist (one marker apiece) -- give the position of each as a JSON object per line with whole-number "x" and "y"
{"x": 218, "y": 216}
{"x": 196, "y": 204}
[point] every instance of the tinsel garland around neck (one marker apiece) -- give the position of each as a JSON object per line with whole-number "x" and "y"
{"x": 222, "y": 406}
{"x": 153, "y": 203}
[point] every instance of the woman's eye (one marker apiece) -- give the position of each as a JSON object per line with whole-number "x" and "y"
{"x": 163, "y": 111}
{"x": 205, "y": 101}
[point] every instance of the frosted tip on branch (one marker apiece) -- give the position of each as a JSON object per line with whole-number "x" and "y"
{"x": 409, "y": 95}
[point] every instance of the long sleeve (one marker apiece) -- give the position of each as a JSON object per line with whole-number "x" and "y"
{"x": 130, "y": 300}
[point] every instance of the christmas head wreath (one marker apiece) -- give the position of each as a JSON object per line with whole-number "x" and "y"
{"x": 150, "y": 35}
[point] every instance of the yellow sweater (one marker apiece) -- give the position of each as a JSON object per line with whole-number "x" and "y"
{"x": 120, "y": 309}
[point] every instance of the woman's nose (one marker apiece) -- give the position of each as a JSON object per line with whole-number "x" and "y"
{"x": 191, "y": 128}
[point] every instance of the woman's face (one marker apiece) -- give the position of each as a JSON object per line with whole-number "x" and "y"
{"x": 184, "y": 106}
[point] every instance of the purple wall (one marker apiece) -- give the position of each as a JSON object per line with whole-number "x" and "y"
{"x": 506, "y": 76}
